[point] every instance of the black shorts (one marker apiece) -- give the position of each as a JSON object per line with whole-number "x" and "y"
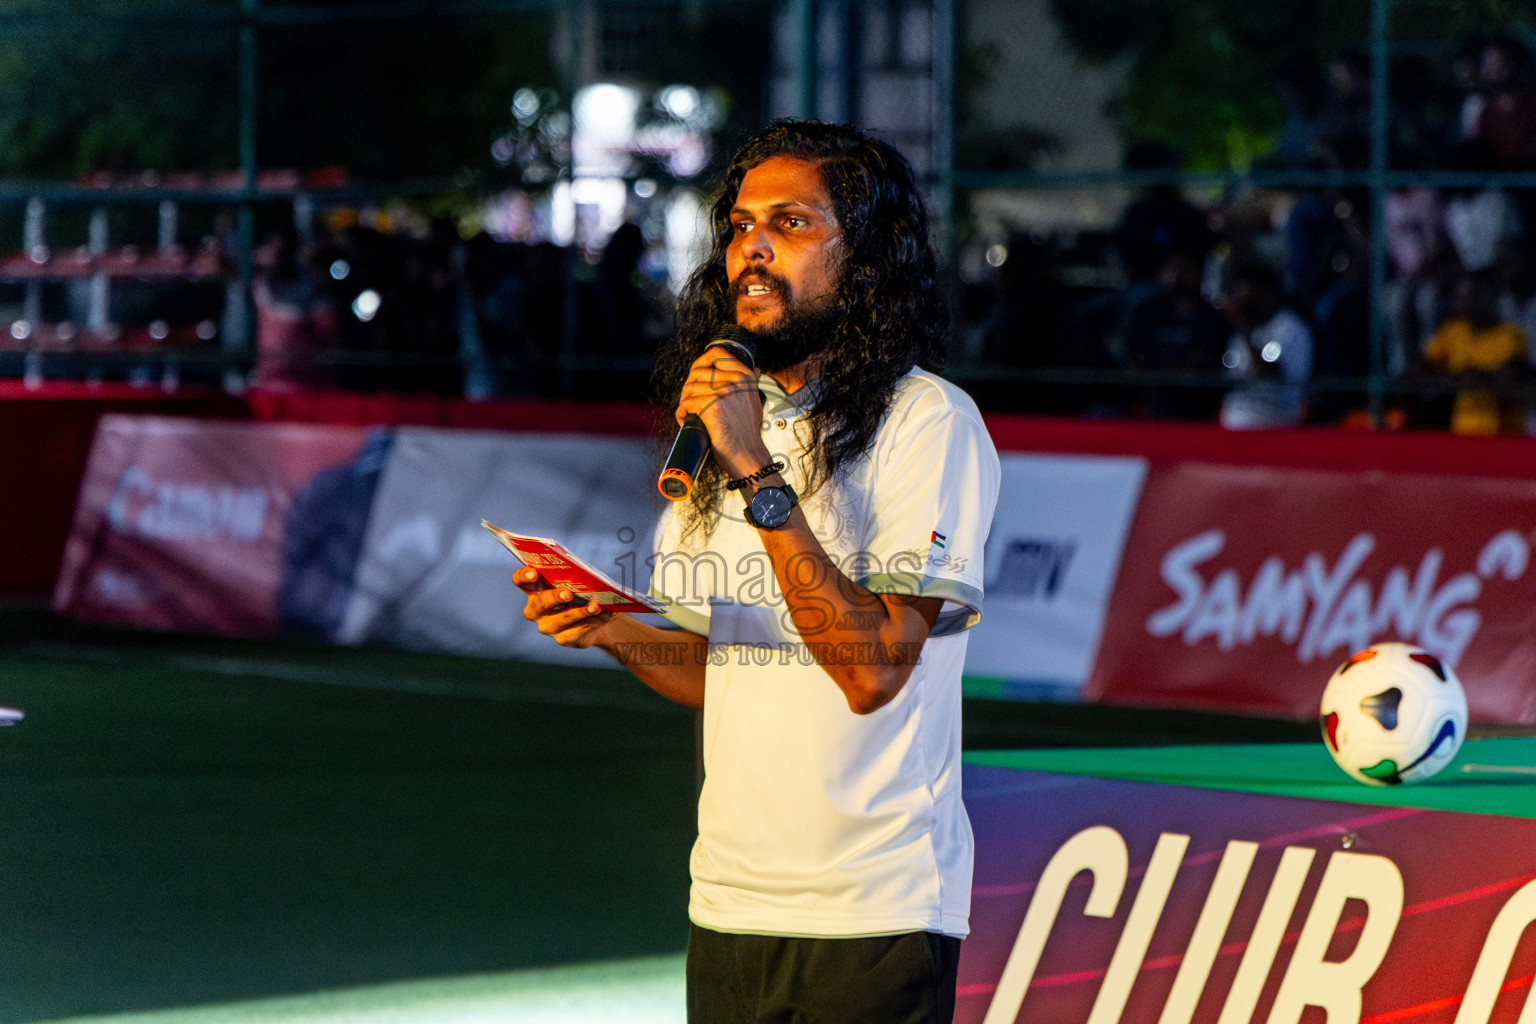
{"x": 771, "y": 979}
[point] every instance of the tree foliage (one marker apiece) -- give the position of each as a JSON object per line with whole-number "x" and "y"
{"x": 394, "y": 98}
{"x": 130, "y": 85}
{"x": 82, "y": 92}
{"x": 1199, "y": 74}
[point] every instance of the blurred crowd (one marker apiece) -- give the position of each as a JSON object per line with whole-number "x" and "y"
{"x": 1250, "y": 308}
{"x": 362, "y": 309}
{"x": 1254, "y": 310}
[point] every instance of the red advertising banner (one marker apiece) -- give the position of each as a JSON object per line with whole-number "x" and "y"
{"x": 1241, "y": 589}
{"x": 180, "y": 523}
{"x": 1133, "y": 903}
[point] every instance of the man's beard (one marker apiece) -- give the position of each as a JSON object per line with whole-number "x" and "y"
{"x": 802, "y": 330}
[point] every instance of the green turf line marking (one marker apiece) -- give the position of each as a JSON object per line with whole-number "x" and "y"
{"x": 647, "y": 990}
{"x": 297, "y": 672}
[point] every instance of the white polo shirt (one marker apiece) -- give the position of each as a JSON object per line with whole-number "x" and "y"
{"x": 815, "y": 820}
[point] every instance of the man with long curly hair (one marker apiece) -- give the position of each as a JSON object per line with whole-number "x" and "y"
{"x": 824, "y": 571}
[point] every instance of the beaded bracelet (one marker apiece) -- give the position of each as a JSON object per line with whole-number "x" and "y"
{"x": 768, "y": 470}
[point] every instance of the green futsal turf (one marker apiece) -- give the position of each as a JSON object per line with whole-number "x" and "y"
{"x": 1488, "y": 776}
{"x": 201, "y": 822}
{"x": 646, "y": 990}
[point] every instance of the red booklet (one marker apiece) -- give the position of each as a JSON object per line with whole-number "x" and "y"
{"x": 561, "y": 568}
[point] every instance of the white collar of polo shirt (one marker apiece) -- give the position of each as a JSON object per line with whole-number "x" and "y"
{"x": 778, "y": 403}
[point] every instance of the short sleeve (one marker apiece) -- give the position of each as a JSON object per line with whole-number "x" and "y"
{"x": 934, "y": 483}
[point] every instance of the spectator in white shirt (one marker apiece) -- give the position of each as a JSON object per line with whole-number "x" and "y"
{"x": 1480, "y": 221}
{"x": 1270, "y": 354}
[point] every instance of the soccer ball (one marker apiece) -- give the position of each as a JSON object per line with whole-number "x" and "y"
{"x": 1393, "y": 713}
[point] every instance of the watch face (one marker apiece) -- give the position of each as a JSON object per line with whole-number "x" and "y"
{"x": 770, "y": 507}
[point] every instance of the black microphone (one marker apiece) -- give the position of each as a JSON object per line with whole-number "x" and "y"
{"x": 691, "y": 447}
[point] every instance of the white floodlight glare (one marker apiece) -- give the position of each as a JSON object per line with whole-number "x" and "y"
{"x": 681, "y": 101}
{"x": 604, "y": 129}
{"x": 562, "y": 214}
{"x": 366, "y": 306}
{"x": 688, "y": 235}
{"x": 525, "y": 105}
{"x": 608, "y": 195}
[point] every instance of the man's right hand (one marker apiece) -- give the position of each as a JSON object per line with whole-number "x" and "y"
{"x": 722, "y": 391}
{"x": 671, "y": 662}
{"x": 558, "y": 613}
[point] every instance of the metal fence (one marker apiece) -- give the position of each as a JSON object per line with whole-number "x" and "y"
{"x": 73, "y": 302}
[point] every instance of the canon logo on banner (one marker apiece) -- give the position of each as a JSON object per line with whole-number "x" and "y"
{"x": 167, "y": 510}
{"x": 1324, "y": 608}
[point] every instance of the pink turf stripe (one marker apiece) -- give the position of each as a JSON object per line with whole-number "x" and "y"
{"x": 1385, "y": 1017}
{"x": 1233, "y": 948}
{"x": 1491, "y": 889}
{"x": 1315, "y": 832}
{"x": 1413, "y": 1011}
{"x": 1328, "y": 831}
{"x": 1404, "y": 1013}
{"x": 1450, "y": 900}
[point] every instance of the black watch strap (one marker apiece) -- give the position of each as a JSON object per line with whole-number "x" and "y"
{"x": 787, "y": 491}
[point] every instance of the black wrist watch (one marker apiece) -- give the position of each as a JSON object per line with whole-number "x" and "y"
{"x": 770, "y": 507}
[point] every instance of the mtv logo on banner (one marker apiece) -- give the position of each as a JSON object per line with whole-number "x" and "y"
{"x": 1033, "y": 567}
{"x": 1052, "y": 559}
